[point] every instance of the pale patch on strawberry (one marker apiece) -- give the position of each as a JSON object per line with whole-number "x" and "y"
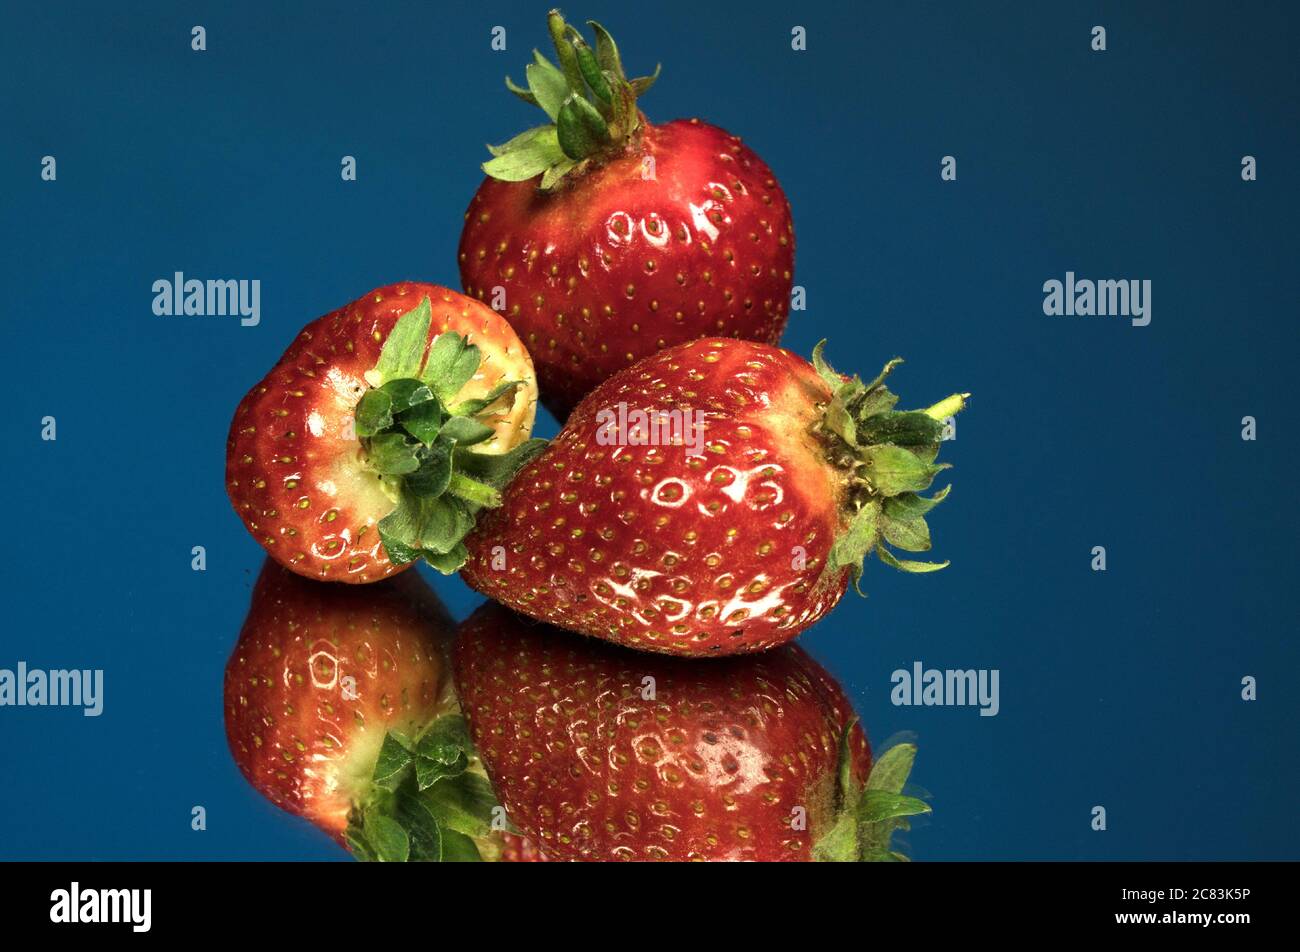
{"x": 504, "y": 358}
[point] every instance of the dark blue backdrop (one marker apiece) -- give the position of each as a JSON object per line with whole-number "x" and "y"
{"x": 1119, "y": 689}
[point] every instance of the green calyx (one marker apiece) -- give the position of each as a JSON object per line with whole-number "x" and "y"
{"x": 429, "y": 801}
{"x": 590, "y": 101}
{"x": 421, "y": 442}
{"x": 867, "y": 818}
{"x": 890, "y": 455}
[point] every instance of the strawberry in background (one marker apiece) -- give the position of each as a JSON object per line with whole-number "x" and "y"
{"x": 339, "y": 709}
{"x": 382, "y": 430}
{"x": 603, "y": 237}
{"x": 770, "y": 481}
{"x": 598, "y": 753}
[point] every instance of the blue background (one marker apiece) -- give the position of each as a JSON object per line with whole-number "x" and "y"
{"x": 1119, "y": 688}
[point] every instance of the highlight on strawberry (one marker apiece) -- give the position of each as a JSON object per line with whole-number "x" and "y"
{"x": 380, "y": 433}
{"x": 738, "y": 529}
{"x": 599, "y": 753}
{"x": 604, "y": 237}
{"x": 340, "y": 709}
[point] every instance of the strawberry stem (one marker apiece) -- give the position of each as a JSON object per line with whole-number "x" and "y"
{"x": 429, "y": 800}
{"x": 866, "y": 819}
{"x": 589, "y": 100}
{"x": 891, "y": 456}
{"x": 472, "y": 491}
{"x": 427, "y": 449}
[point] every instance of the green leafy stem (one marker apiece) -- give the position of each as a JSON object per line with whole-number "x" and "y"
{"x": 590, "y": 102}
{"x": 891, "y": 457}
{"x": 868, "y": 817}
{"x": 422, "y": 442}
{"x": 429, "y": 801}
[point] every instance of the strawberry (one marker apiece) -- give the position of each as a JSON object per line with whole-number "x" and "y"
{"x": 605, "y": 238}
{"x": 714, "y": 498}
{"x": 339, "y": 710}
{"x": 520, "y": 849}
{"x": 357, "y": 455}
{"x": 600, "y": 753}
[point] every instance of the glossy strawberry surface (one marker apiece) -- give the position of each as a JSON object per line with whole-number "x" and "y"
{"x": 657, "y": 548}
{"x": 685, "y": 234}
{"x": 319, "y": 675}
{"x": 598, "y": 753}
{"x": 295, "y": 470}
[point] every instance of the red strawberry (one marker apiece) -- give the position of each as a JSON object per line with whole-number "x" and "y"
{"x": 798, "y": 474}
{"x": 604, "y": 238}
{"x": 356, "y": 455}
{"x": 598, "y": 753}
{"x": 339, "y": 709}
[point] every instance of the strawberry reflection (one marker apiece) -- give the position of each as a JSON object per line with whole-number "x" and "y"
{"x": 601, "y": 753}
{"x": 328, "y": 694}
